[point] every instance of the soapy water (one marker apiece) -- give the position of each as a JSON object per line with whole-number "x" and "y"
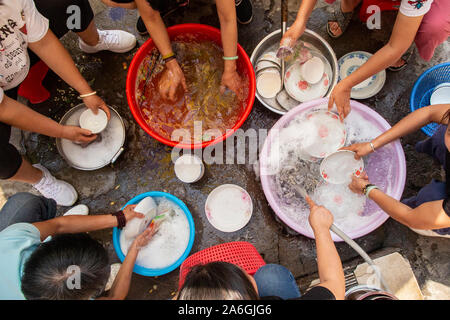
{"x": 289, "y": 165}
{"x": 100, "y": 152}
{"x": 168, "y": 244}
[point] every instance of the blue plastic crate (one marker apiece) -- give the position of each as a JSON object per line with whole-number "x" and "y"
{"x": 423, "y": 88}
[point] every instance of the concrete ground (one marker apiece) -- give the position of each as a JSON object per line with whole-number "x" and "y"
{"x": 146, "y": 164}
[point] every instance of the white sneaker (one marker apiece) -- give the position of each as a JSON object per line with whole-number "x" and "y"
{"x": 112, "y": 40}
{"x": 79, "y": 210}
{"x": 60, "y": 191}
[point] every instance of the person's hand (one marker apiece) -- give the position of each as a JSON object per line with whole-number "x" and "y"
{"x": 341, "y": 97}
{"x": 77, "y": 134}
{"x": 292, "y": 34}
{"x": 94, "y": 103}
{"x": 360, "y": 149}
{"x": 320, "y": 218}
{"x": 232, "y": 81}
{"x": 143, "y": 239}
{"x": 171, "y": 79}
{"x": 358, "y": 183}
{"x": 130, "y": 213}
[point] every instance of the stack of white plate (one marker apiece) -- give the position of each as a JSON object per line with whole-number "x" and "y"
{"x": 268, "y": 75}
{"x": 369, "y": 87}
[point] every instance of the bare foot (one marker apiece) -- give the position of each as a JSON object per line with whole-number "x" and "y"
{"x": 334, "y": 28}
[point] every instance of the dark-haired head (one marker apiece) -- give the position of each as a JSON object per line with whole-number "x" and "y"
{"x": 68, "y": 267}
{"x": 218, "y": 281}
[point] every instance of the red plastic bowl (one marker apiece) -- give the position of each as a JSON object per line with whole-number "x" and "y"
{"x": 244, "y": 67}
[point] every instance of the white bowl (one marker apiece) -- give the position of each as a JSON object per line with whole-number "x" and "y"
{"x": 312, "y": 70}
{"x": 136, "y": 226}
{"x": 441, "y": 94}
{"x": 263, "y": 64}
{"x": 338, "y": 167}
{"x": 270, "y": 56}
{"x": 299, "y": 89}
{"x": 189, "y": 168}
{"x": 96, "y": 123}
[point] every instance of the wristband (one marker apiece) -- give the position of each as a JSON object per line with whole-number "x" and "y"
{"x": 372, "y": 146}
{"x": 82, "y": 96}
{"x": 230, "y": 58}
{"x": 169, "y": 55}
{"x": 169, "y": 59}
{"x": 369, "y": 188}
{"x": 121, "y": 220}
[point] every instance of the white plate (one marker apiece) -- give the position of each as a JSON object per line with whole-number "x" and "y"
{"x": 229, "y": 208}
{"x": 338, "y": 167}
{"x": 313, "y": 70}
{"x": 270, "y": 56}
{"x": 441, "y": 94}
{"x": 263, "y": 64}
{"x": 268, "y": 83}
{"x": 300, "y": 89}
{"x": 328, "y": 133}
{"x": 369, "y": 87}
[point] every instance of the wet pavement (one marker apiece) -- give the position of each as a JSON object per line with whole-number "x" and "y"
{"x": 146, "y": 164}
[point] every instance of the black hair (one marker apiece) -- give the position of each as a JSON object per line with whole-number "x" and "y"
{"x": 217, "y": 281}
{"x": 50, "y": 271}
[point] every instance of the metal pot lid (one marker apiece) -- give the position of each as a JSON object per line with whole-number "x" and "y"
{"x": 99, "y": 153}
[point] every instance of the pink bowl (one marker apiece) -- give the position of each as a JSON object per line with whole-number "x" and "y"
{"x": 397, "y": 178}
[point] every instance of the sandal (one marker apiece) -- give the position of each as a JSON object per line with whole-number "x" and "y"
{"x": 405, "y": 57}
{"x": 342, "y": 18}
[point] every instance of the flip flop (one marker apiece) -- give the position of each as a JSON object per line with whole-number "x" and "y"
{"x": 342, "y": 18}
{"x": 405, "y": 57}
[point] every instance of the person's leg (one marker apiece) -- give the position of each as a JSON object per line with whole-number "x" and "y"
{"x": 346, "y": 7}
{"x": 434, "y": 29}
{"x": 276, "y": 280}
{"x": 435, "y": 145}
{"x": 434, "y": 191}
{"x": 26, "y": 207}
{"x": 61, "y": 15}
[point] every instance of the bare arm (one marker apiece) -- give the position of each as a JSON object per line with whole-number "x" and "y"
{"x": 131, "y": 5}
{"x": 20, "y": 116}
{"x": 403, "y": 34}
{"x": 303, "y": 14}
{"x": 412, "y": 122}
{"x": 228, "y": 30}
{"x": 78, "y": 224}
{"x": 427, "y": 216}
{"x": 52, "y": 52}
{"x": 121, "y": 285}
{"x": 329, "y": 263}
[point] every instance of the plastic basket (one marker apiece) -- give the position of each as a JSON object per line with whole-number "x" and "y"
{"x": 423, "y": 88}
{"x": 240, "y": 253}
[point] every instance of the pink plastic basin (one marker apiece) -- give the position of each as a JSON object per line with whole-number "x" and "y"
{"x": 395, "y": 180}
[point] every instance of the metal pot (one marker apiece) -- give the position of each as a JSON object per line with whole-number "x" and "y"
{"x": 114, "y": 154}
{"x": 309, "y": 36}
{"x": 364, "y": 292}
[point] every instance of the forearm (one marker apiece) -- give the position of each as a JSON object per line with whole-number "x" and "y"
{"x": 155, "y": 26}
{"x": 52, "y": 52}
{"x": 121, "y": 285}
{"x": 78, "y": 224}
{"x": 20, "y": 116}
{"x": 304, "y": 12}
{"x": 411, "y": 123}
{"x": 329, "y": 263}
{"x": 228, "y": 30}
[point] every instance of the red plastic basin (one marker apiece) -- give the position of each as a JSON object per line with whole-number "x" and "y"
{"x": 202, "y": 32}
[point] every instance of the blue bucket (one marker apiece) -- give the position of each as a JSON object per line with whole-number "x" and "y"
{"x": 424, "y": 87}
{"x": 157, "y": 272}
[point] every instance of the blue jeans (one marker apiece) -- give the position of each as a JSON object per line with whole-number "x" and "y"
{"x": 435, "y": 190}
{"x": 26, "y": 207}
{"x": 275, "y": 280}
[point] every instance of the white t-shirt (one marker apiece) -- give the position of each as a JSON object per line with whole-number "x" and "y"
{"x": 415, "y": 8}
{"x": 20, "y": 23}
